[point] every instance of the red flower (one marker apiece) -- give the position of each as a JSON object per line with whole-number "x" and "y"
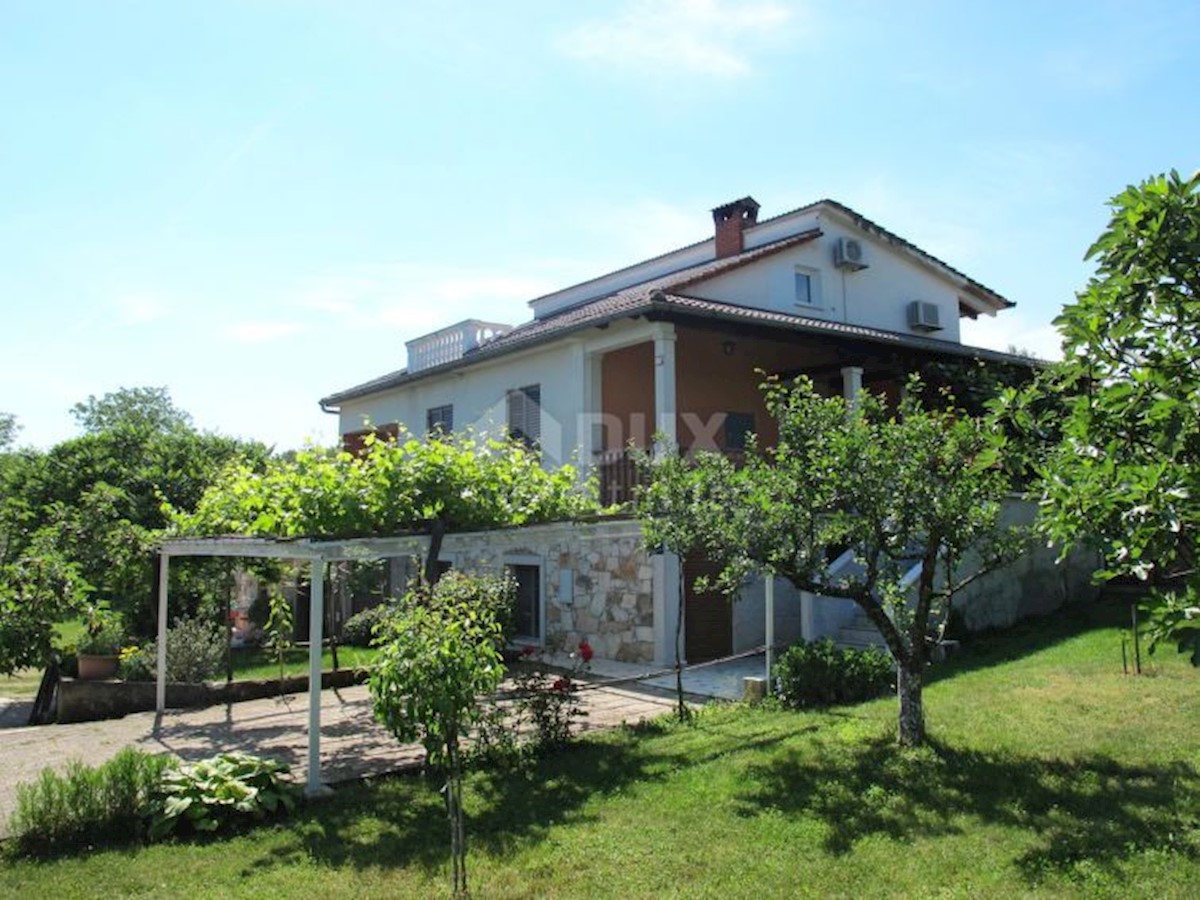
{"x": 562, "y": 685}
{"x": 586, "y": 651}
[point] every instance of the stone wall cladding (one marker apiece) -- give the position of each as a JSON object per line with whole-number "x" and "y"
{"x": 611, "y": 601}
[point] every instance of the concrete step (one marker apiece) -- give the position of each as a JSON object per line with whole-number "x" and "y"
{"x": 860, "y": 637}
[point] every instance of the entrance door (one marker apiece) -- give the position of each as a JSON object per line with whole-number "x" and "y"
{"x": 707, "y": 617}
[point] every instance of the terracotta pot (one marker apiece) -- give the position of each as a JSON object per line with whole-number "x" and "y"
{"x": 96, "y": 668}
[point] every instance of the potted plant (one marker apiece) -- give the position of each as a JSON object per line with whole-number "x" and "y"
{"x": 98, "y": 648}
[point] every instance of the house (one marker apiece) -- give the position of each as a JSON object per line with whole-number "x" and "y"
{"x": 675, "y": 345}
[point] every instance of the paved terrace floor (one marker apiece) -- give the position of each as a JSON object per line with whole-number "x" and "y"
{"x": 353, "y": 745}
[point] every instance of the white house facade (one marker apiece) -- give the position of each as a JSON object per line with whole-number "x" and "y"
{"x": 676, "y": 345}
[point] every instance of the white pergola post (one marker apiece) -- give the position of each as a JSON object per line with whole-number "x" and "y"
{"x": 316, "y": 634}
{"x": 160, "y": 686}
{"x": 770, "y": 641}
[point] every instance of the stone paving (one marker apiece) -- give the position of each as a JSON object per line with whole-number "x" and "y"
{"x": 353, "y": 746}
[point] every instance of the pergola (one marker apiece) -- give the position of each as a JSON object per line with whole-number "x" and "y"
{"x": 318, "y": 553}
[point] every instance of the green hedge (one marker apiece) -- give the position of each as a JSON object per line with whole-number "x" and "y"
{"x": 821, "y": 673}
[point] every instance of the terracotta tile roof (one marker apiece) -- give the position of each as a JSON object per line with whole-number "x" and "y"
{"x": 858, "y": 219}
{"x": 663, "y": 296}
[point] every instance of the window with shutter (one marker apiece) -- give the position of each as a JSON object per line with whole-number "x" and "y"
{"x": 439, "y": 419}
{"x": 525, "y": 414}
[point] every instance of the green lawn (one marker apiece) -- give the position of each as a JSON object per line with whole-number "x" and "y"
{"x": 248, "y": 663}
{"x": 24, "y": 684}
{"x": 1051, "y": 774}
{"x": 254, "y": 662}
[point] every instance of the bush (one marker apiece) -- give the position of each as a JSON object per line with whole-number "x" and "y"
{"x": 85, "y": 805}
{"x": 114, "y": 802}
{"x": 359, "y": 629}
{"x": 195, "y": 651}
{"x": 136, "y": 664}
{"x": 823, "y": 674}
{"x": 103, "y": 633}
{"x": 548, "y": 701}
{"x": 220, "y": 791}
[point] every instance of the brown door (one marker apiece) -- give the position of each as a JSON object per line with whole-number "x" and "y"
{"x": 707, "y": 617}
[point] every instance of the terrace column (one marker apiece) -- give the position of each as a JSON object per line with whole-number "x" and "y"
{"x": 851, "y": 384}
{"x": 588, "y": 428}
{"x": 664, "y": 388}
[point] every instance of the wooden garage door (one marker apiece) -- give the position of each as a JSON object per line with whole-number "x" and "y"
{"x": 707, "y": 617}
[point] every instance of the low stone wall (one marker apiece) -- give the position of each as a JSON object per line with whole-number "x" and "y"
{"x": 87, "y": 701}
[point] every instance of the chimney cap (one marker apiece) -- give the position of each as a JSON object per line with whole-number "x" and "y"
{"x": 746, "y": 208}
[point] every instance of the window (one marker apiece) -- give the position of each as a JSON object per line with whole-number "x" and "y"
{"x": 525, "y": 414}
{"x": 807, "y": 288}
{"x": 738, "y": 428}
{"x": 529, "y": 599}
{"x": 439, "y": 419}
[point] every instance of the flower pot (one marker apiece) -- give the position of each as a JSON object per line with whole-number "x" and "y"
{"x": 96, "y": 668}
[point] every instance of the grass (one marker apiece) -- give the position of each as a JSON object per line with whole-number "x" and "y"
{"x": 23, "y": 685}
{"x": 256, "y": 663}
{"x": 248, "y": 663}
{"x": 1050, "y": 774}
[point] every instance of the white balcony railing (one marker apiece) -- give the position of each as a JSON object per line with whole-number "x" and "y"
{"x": 449, "y": 344}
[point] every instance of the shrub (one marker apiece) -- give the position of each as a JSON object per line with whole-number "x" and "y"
{"x": 85, "y": 805}
{"x": 359, "y": 629}
{"x": 136, "y": 664}
{"x": 220, "y": 791}
{"x": 103, "y": 634}
{"x": 195, "y": 651}
{"x": 549, "y": 700}
{"x": 823, "y": 674}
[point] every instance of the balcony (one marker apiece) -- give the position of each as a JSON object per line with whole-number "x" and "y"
{"x": 450, "y": 344}
{"x": 619, "y": 475}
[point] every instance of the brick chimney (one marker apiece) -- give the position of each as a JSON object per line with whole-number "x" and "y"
{"x": 731, "y": 222}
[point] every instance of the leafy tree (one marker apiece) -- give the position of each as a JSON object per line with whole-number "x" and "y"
{"x": 8, "y": 430}
{"x": 1175, "y": 619}
{"x": 102, "y": 494}
{"x": 459, "y": 483}
{"x": 142, "y": 409}
{"x": 37, "y": 590}
{"x": 439, "y": 655}
{"x": 909, "y": 496}
{"x": 1126, "y": 474}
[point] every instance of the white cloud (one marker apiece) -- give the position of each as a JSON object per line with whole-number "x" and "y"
{"x": 1013, "y": 330}
{"x": 139, "y": 309}
{"x": 419, "y": 298}
{"x": 706, "y": 37}
{"x": 262, "y": 332}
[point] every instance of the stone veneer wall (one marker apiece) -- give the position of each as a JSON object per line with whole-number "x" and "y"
{"x": 597, "y": 580}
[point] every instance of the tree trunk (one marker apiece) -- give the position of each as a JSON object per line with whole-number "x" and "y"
{"x": 909, "y": 683}
{"x": 437, "y": 531}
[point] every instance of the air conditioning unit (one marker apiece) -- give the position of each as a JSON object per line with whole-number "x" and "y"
{"x": 848, "y": 254}
{"x": 923, "y": 316}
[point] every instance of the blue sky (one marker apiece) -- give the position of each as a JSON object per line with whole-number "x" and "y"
{"x": 257, "y": 203}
